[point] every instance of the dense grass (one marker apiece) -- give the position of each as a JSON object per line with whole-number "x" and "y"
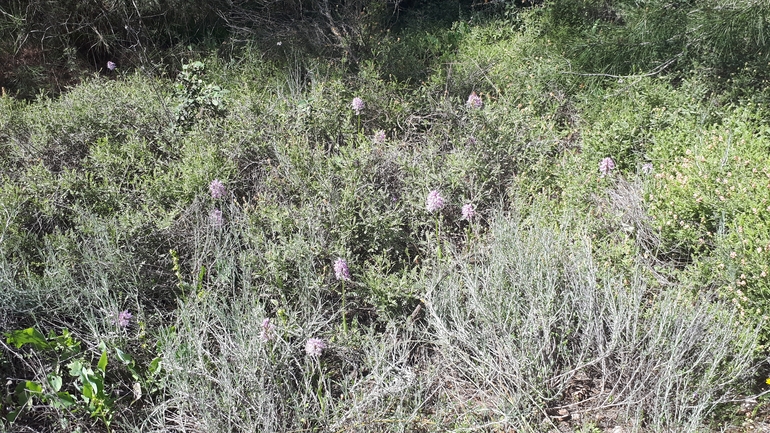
{"x": 573, "y": 298}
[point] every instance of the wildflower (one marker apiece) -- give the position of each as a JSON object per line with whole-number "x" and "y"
{"x": 341, "y": 271}
{"x": 268, "y": 331}
{"x": 124, "y": 317}
{"x": 217, "y": 189}
{"x": 606, "y": 165}
{"x": 469, "y": 211}
{"x": 314, "y": 347}
{"x": 216, "y": 218}
{"x": 647, "y": 168}
{"x": 358, "y": 105}
{"x": 379, "y": 137}
{"x": 472, "y": 140}
{"x": 137, "y": 390}
{"x": 111, "y": 65}
{"x": 474, "y": 101}
{"x": 434, "y": 202}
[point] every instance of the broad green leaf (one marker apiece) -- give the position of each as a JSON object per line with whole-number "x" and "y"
{"x": 88, "y": 391}
{"x": 123, "y": 357}
{"x": 55, "y": 381}
{"x": 103, "y": 362}
{"x": 94, "y": 381}
{"x": 154, "y": 366}
{"x": 11, "y": 417}
{"x": 65, "y": 399}
{"x": 76, "y": 368}
{"x": 128, "y": 361}
{"x": 27, "y": 336}
{"x": 134, "y": 373}
{"x": 98, "y": 383}
{"x": 21, "y": 393}
{"x": 34, "y": 387}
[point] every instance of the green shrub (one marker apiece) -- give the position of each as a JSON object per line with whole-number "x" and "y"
{"x": 709, "y": 198}
{"x": 59, "y": 132}
{"x": 198, "y": 99}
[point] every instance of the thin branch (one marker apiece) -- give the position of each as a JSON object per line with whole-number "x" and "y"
{"x": 655, "y": 71}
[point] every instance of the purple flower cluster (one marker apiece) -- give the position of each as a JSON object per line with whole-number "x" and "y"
{"x": 469, "y": 212}
{"x": 474, "y": 101}
{"x": 341, "y": 271}
{"x": 111, "y": 65}
{"x": 268, "y": 331}
{"x": 379, "y": 137}
{"x": 314, "y": 347}
{"x": 358, "y": 105}
{"x": 434, "y": 202}
{"x": 217, "y": 189}
{"x": 606, "y": 165}
{"x": 124, "y": 317}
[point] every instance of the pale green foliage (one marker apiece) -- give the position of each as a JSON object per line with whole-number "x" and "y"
{"x": 517, "y": 320}
{"x": 444, "y": 324}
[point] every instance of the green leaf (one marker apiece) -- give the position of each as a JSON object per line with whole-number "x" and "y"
{"x": 21, "y": 394}
{"x": 154, "y": 366}
{"x": 11, "y": 417}
{"x": 27, "y": 336}
{"x": 64, "y": 400}
{"x": 88, "y": 391}
{"x": 76, "y": 368}
{"x": 34, "y": 387}
{"x": 94, "y": 382}
{"x": 55, "y": 381}
{"x": 134, "y": 372}
{"x": 66, "y": 343}
{"x": 103, "y": 362}
{"x": 124, "y": 357}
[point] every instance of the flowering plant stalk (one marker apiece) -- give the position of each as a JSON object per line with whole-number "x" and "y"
{"x": 358, "y": 105}
{"x": 469, "y": 214}
{"x": 314, "y": 348}
{"x": 434, "y": 203}
{"x": 344, "y": 315}
{"x": 438, "y": 237}
{"x": 342, "y": 273}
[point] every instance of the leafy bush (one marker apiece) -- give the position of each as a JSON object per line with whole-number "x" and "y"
{"x": 710, "y": 198}
{"x": 197, "y": 98}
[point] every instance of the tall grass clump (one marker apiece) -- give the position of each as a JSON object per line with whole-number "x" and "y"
{"x": 530, "y": 329}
